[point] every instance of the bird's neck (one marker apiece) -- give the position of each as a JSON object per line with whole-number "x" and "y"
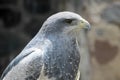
{"x": 57, "y": 39}
{"x": 61, "y": 42}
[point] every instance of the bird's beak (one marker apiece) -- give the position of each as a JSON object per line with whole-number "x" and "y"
{"x": 83, "y": 24}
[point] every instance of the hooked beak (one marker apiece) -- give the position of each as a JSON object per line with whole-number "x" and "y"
{"x": 83, "y": 24}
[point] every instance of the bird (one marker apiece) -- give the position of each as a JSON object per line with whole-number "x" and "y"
{"x": 53, "y": 53}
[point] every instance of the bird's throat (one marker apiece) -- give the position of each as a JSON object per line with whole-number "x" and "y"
{"x": 62, "y": 59}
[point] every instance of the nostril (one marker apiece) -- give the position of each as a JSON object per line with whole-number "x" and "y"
{"x": 82, "y": 22}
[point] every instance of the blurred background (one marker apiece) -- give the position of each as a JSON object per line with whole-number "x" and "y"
{"x": 20, "y": 20}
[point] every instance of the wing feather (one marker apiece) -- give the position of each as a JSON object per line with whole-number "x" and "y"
{"x": 25, "y": 56}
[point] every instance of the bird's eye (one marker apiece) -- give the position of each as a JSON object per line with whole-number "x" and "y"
{"x": 69, "y": 21}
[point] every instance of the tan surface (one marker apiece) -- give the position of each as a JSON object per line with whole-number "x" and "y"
{"x": 104, "y": 42}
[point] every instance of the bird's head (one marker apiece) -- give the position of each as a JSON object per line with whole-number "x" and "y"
{"x": 65, "y": 23}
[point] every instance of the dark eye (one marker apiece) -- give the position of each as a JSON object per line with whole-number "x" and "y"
{"x": 69, "y": 21}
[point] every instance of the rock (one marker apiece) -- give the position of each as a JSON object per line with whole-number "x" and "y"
{"x": 4, "y": 2}
{"x": 107, "y": 1}
{"x": 9, "y": 43}
{"x": 32, "y": 27}
{"x": 101, "y": 53}
{"x": 37, "y": 6}
{"x": 4, "y": 43}
{"x": 10, "y": 17}
{"x": 112, "y": 13}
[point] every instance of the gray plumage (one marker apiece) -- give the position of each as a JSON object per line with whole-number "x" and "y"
{"x": 53, "y": 54}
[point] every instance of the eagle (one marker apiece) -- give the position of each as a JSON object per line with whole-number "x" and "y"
{"x": 54, "y": 52}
